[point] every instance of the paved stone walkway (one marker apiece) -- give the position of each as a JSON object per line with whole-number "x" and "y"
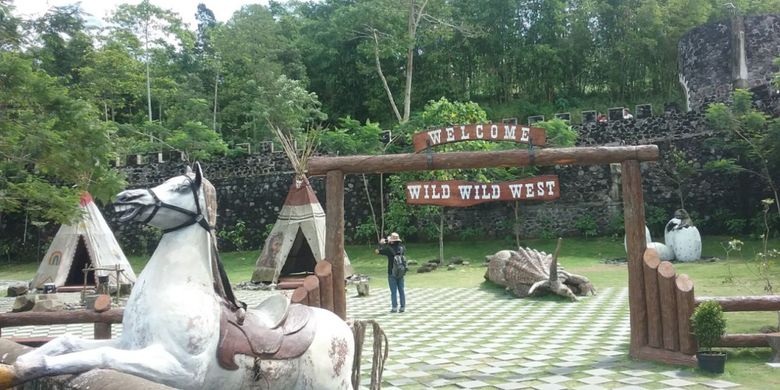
{"x": 468, "y": 338}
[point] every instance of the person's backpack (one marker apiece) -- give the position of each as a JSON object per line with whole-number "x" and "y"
{"x": 399, "y": 265}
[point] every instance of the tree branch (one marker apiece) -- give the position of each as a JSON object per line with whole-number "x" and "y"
{"x": 382, "y": 76}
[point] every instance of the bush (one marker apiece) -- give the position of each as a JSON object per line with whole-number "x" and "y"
{"x": 708, "y": 324}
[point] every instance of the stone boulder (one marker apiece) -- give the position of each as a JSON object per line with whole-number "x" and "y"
{"x": 23, "y": 303}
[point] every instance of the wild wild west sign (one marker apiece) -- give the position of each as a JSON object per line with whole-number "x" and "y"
{"x": 458, "y": 193}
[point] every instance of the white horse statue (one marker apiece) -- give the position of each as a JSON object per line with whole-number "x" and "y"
{"x": 174, "y": 329}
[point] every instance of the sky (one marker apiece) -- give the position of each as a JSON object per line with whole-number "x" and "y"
{"x": 99, "y": 9}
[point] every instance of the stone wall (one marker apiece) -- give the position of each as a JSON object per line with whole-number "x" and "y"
{"x": 708, "y": 58}
{"x": 252, "y": 189}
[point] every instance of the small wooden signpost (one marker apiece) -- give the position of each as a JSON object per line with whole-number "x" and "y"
{"x": 459, "y": 193}
{"x": 479, "y": 132}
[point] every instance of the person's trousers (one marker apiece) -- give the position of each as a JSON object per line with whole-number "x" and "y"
{"x": 396, "y": 287}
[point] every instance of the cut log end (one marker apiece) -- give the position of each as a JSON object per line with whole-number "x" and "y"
{"x": 323, "y": 268}
{"x": 651, "y": 258}
{"x": 666, "y": 270}
{"x": 102, "y": 303}
{"x": 300, "y": 295}
{"x": 684, "y": 283}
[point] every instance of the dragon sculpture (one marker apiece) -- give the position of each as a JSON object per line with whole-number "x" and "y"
{"x": 527, "y": 272}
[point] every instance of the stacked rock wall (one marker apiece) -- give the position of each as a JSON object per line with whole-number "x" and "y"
{"x": 708, "y": 58}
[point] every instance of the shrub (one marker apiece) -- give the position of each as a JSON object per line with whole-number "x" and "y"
{"x": 708, "y": 324}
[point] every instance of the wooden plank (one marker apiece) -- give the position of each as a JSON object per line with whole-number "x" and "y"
{"x": 685, "y": 305}
{"x": 319, "y": 165}
{"x": 666, "y": 357}
{"x": 102, "y": 331}
{"x": 460, "y": 193}
{"x": 324, "y": 272}
{"x": 312, "y": 286}
{"x": 745, "y": 303}
{"x": 479, "y": 132}
{"x": 652, "y": 298}
{"x": 634, "y": 219}
{"x": 113, "y": 316}
{"x": 668, "y": 296}
{"x": 334, "y": 238}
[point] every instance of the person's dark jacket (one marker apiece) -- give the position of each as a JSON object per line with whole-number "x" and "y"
{"x": 390, "y": 251}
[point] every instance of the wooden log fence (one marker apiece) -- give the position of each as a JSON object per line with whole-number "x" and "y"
{"x": 669, "y": 306}
{"x": 741, "y": 304}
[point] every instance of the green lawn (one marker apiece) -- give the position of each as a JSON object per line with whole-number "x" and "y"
{"x": 736, "y": 276}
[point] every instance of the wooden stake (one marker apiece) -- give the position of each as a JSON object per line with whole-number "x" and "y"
{"x": 666, "y": 290}
{"x": 312, "y": 286}
{"x": 652, "y": 299}
{"x": 324, "y": 272}
{"x": 685, "y": 306}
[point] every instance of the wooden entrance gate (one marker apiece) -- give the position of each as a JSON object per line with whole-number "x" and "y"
{"x": 334, "y": 168}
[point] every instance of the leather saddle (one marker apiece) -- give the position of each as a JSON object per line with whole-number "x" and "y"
{"x": 275, "y": 329}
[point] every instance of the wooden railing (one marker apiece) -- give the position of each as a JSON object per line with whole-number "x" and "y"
{"x": 102, "y": 321}
{"x": 745, "y": 303}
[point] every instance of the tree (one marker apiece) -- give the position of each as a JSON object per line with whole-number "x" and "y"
{"x": 151, "y": 26}
{"x": 52, "y": 147}
{"x": 748, "y": 138}
{"x": 9, "y": 27}
{"x": 64, "y": 43}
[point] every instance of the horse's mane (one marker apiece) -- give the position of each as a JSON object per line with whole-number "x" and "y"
{"x": 221, "y": 282}
{"x": 210, "y": 194}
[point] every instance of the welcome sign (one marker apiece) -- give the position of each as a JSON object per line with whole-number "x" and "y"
{"x": 479, "y": 132}
{"x": 459, "y": 193}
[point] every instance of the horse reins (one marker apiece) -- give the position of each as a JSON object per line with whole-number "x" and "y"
{"x": 195, "y": 217}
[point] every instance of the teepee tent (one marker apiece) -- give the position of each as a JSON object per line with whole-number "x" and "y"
{"x": 297, "y": 241}
{"x": 87, "y": 242}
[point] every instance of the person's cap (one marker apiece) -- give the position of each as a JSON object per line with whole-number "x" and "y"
{"x": 394, "y": 237}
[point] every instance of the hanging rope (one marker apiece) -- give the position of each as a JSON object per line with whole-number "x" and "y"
{"x": 380, "y": 349}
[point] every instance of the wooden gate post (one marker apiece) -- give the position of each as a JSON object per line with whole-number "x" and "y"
{"x": 334, "y": 238}
{"x": 634, "y": 217}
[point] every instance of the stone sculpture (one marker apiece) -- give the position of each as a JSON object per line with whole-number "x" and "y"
{"x": 683, "y": 237}
{"x": 527, "y": 272}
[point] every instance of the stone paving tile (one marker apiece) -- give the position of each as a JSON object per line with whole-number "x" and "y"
{"x": 469, "y": 338}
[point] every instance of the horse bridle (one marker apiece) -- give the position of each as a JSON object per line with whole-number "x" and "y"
{"x": 195, "y": 217}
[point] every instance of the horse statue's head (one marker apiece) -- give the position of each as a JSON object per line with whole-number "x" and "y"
{"x": 178, "y": 202}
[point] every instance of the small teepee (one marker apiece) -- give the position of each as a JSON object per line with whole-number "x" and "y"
{"x": 297, "y": 241}
{"x": 87, "y": 242}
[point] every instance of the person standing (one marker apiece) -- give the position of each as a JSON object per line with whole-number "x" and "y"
{"x": 391, "y": 247}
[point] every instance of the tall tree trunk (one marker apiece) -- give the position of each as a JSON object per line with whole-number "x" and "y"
{"x": 409, "y": 61}
{"x": 148, "y": 76}
{"x": 214, "y": 119}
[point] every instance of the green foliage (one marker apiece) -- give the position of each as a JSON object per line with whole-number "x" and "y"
{"x": 751, "y": 144}
{"x": 351, "y": 138}
{"x": 559, "y": 133}
{"x": 235, "y": 235}
{"x": 53, "y": 146}
{"x": 586, "y": 225}
{"x": 197, "y": 141}
{"x": 708, "y": 324}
